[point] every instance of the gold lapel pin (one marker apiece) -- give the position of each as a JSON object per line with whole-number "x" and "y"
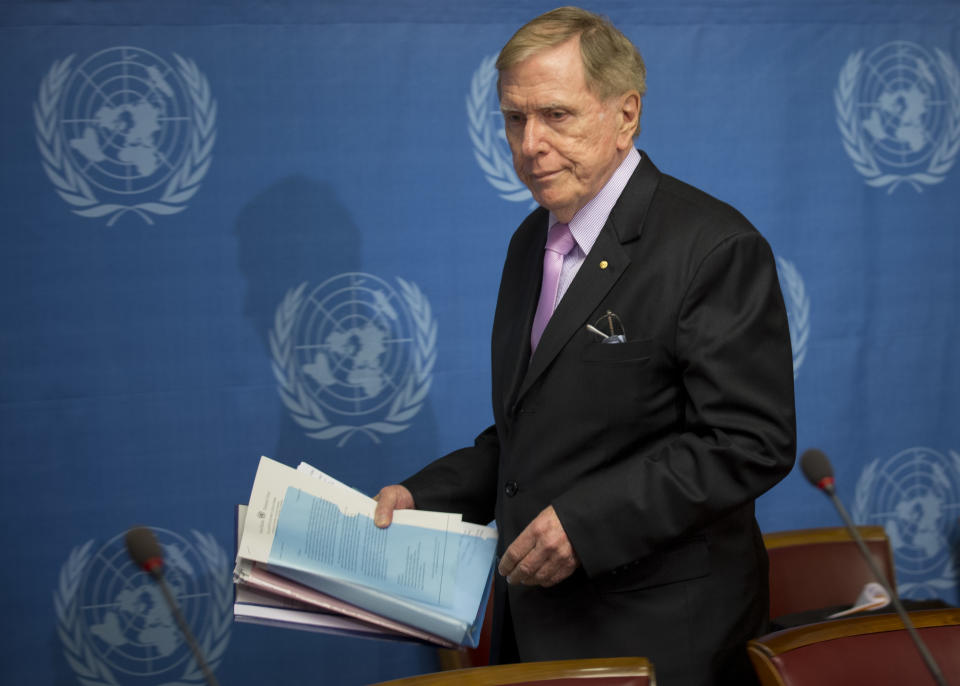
{"x": 603, "y": 264}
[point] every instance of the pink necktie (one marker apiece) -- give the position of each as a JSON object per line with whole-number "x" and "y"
{"x": 559, "y": 243}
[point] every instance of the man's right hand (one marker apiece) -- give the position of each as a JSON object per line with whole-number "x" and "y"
{"x": 390, "y": 498}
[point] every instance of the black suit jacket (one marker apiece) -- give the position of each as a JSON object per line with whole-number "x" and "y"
{"x": 651, "y": 451}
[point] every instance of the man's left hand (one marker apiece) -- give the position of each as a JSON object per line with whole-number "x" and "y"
{"x": 541, "y": 555}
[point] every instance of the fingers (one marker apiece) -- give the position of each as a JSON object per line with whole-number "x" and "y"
{"x": 541, "y": 555}
{"x": 522, "y": 546}
{"x": 390, "y": 498}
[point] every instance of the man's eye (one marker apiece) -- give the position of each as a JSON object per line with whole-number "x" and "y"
{"x": 513, "y": 118}
{"x": 557, "y": 115}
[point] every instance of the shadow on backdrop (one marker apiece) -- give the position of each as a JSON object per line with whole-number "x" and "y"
{"x": 341, "y": 342}
{"x": 325, "y": 345}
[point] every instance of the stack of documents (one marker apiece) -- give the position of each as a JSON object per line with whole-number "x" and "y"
{"x": 310, "y": 557}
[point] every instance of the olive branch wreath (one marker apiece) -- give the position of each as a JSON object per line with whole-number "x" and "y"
{"x": 861, "y": 496}
{"x": 796, "y": 292}
{"x": 856, "y": 145}
{"x": 497, "y": 168}
{"x": 92, "y": 671}
{"x": 74, "y": 189}
{"x": 307, "y": 412}
{"x": 860, "y": 514}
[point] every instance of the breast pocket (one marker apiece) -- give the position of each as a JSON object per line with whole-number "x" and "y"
{"x": 625, "y": 381}
{"x": 629, "y": 353}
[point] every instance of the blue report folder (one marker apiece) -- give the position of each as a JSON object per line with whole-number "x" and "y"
{"x": 437, "y": 581}
{"x": 315, "y": 535}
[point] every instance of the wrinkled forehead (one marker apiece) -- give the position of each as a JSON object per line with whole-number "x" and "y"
{"x": 558, "y": 69}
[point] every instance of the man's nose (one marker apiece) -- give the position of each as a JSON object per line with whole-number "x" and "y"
{"x": 534, "y": 137}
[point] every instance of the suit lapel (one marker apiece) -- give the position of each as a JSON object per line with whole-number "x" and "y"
{"x": 511, "y": 343}
{"x": 594, "y": 280}
{"x": 600, "y": 271}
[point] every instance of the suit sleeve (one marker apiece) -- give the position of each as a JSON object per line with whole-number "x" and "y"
{"x": 736, "y": 433}
{"x": 463, "y": 481}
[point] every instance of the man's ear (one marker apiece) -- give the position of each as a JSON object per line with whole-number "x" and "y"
{"x": 630, "y": 106}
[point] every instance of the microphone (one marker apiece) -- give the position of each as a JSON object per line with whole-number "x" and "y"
{"x": 819, "y": 472}
{"x": 146, "y": 552}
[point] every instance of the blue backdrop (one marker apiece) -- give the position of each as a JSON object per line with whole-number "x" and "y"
{"x": 243, "y": 228}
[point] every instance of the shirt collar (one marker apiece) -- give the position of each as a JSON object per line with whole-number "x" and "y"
{"x": 590, "y": 219}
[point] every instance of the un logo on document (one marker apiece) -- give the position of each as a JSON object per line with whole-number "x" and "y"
{"x": 915, "y": 496}
{"x": 113, "y": 620}
{"x": 898, "y": 110}
{"x": 485, "y": 126}
{"x": 125, "y": 132}
{"x": 353, "y": 355}
{"x": 798, "y": 310}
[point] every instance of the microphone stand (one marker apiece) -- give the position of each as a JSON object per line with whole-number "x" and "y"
{"x": 829, "y": 489}
{"x": 147, "y": 554}
{"x": 182, "y": 623}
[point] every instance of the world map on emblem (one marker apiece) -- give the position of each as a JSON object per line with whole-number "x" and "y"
{"x": 353, "y": 343}
{"x": 902, "y": 104}
{"x": 125, "y": 120}
{"x": 915, "y": 496}
{"x": 125, "y": 616}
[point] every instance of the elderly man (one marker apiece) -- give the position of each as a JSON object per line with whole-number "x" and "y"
{"x": 642, "y": 385}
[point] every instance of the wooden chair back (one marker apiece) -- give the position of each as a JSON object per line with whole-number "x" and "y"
{"x": 873, "y": 650}
{"x": 617, "y": 671}
{"x": 819, "y": 568}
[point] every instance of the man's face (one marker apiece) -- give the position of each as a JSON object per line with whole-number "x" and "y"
{"x": 566, "y": 142}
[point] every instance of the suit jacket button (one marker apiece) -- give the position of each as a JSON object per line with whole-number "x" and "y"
{"x": 511, "y": 488}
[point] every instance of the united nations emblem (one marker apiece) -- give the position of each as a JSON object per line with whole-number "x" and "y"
{"x": 113, "y": 620}
{"x": 898, "y": 111}
{"x": 125, "y": 132}
{"x": 798, "y": 310}
{"x": 915, "y": 496}
{"x": 485, "y": 126}
{"x": 354, "y": 356}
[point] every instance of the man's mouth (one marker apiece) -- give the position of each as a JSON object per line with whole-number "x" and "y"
{"x": 545, "y": 176}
